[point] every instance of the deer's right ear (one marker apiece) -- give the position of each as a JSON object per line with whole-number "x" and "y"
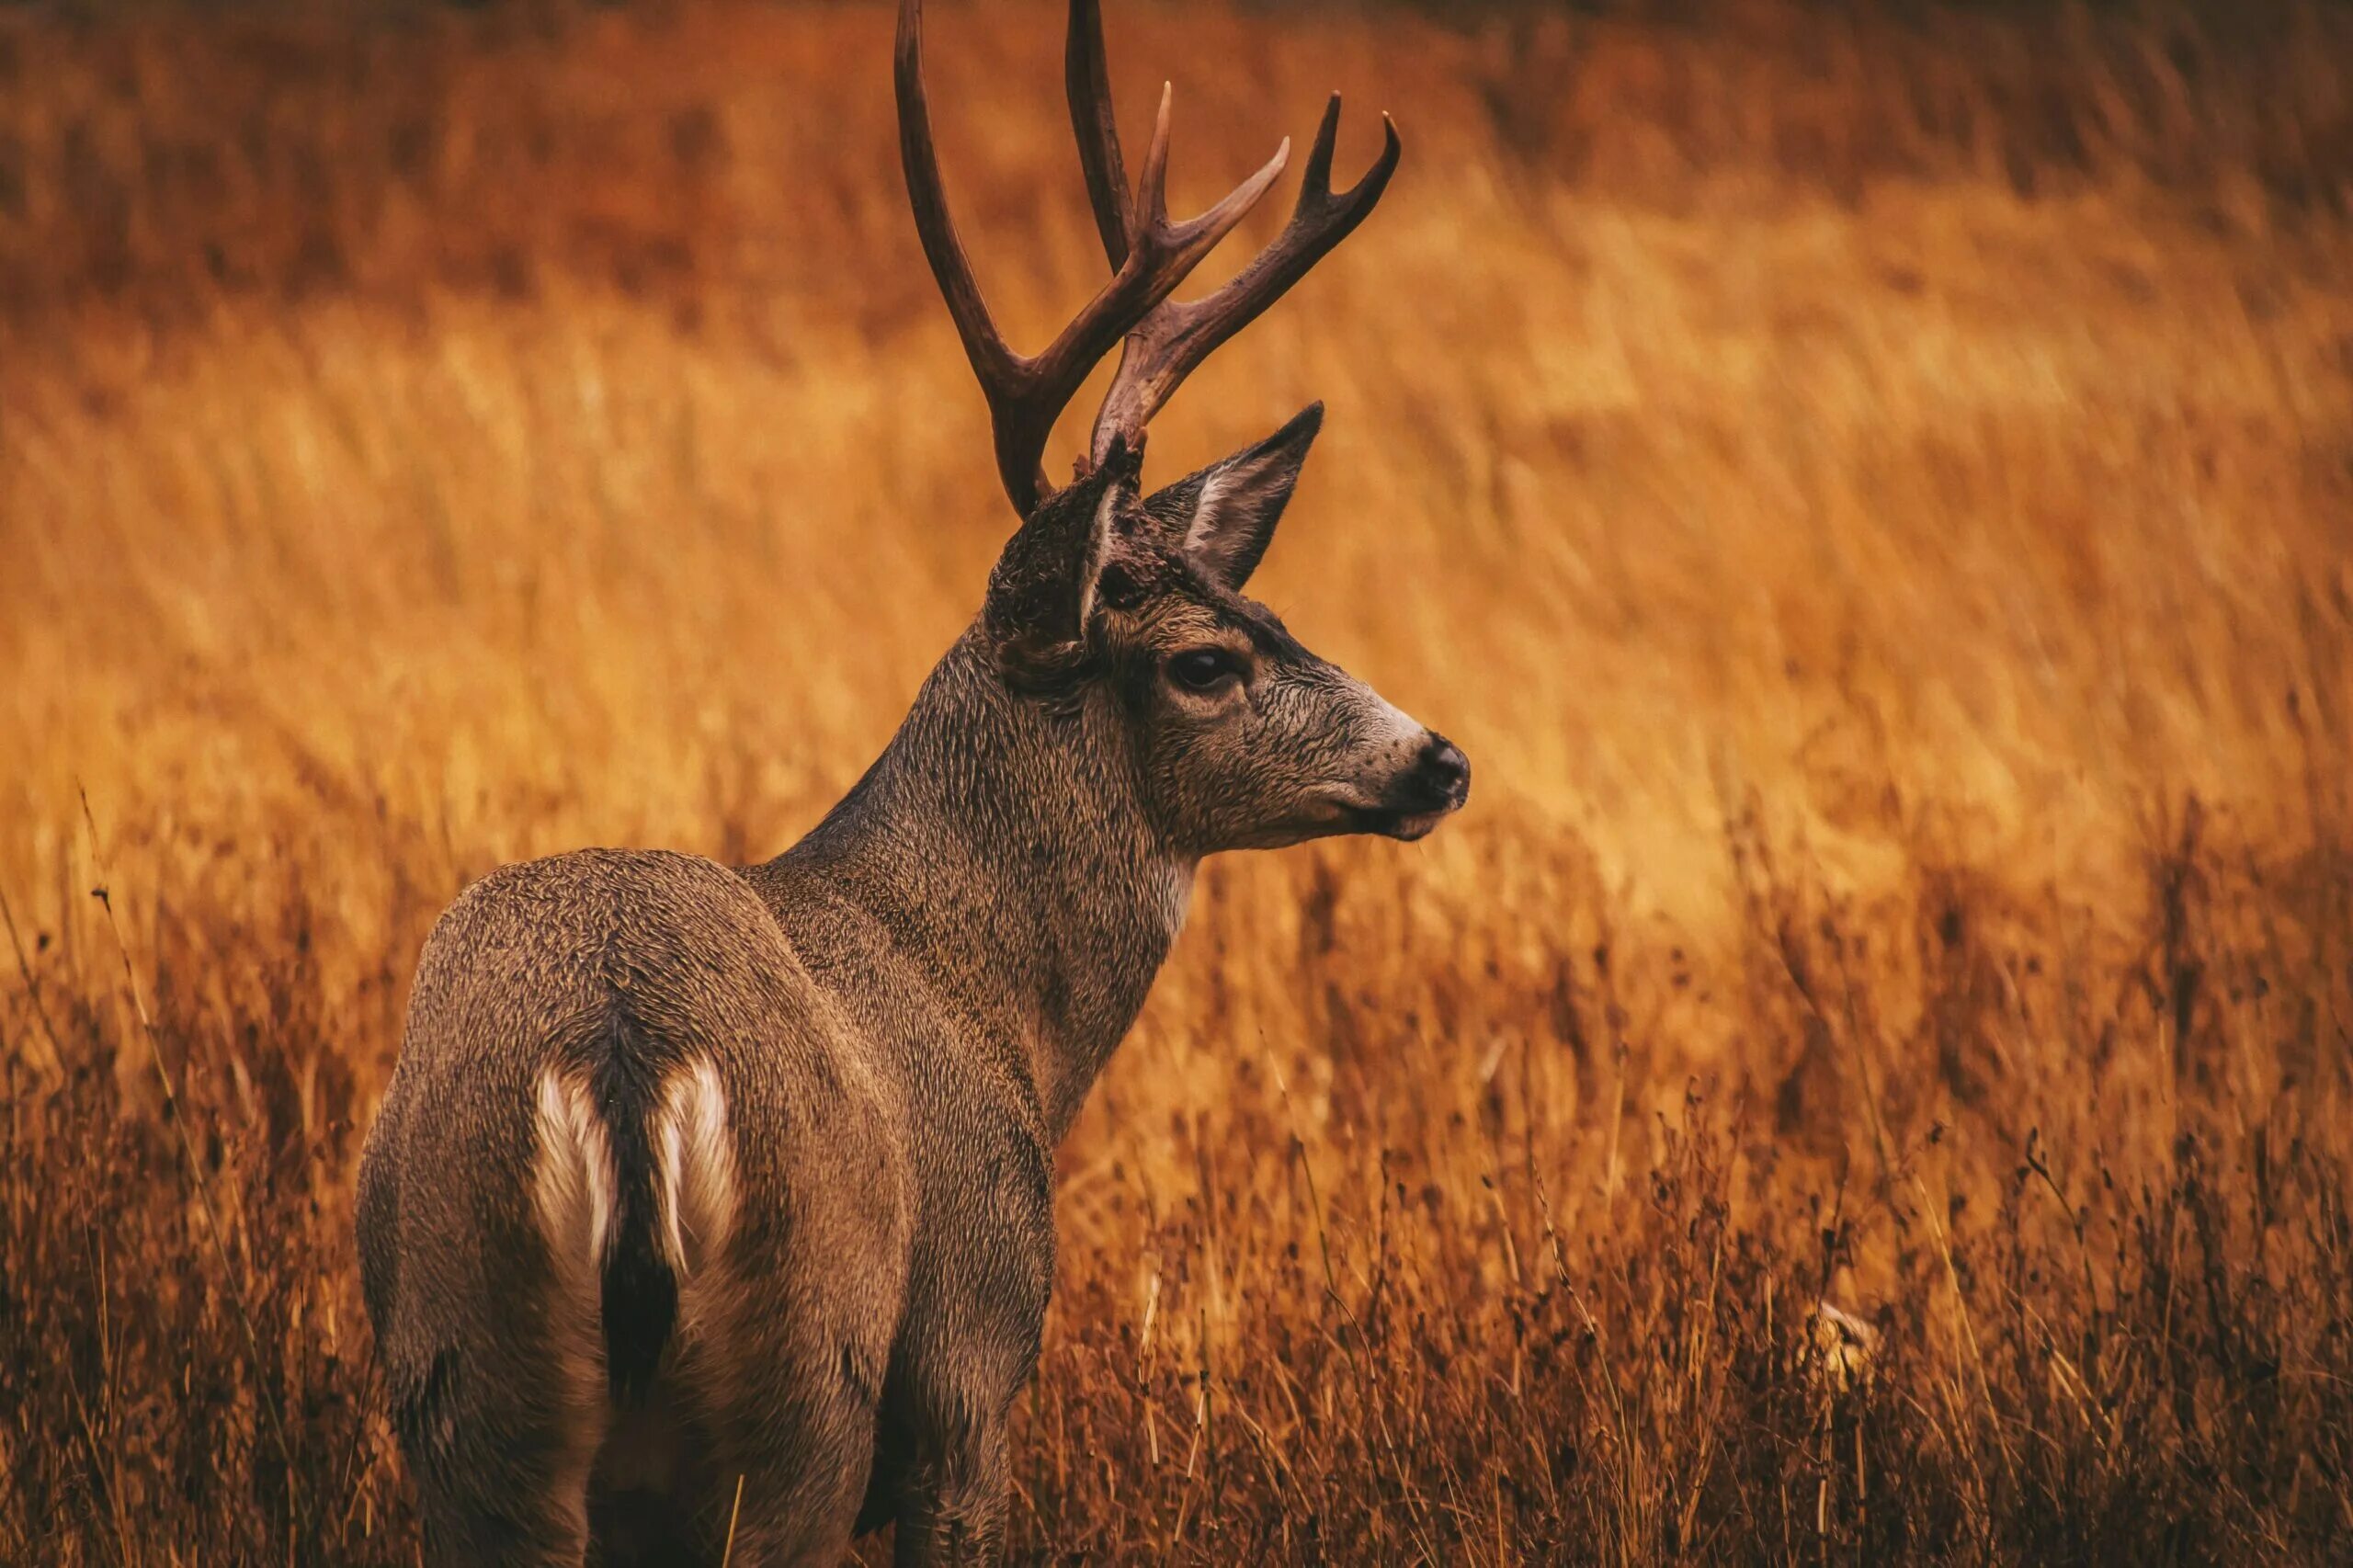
{"x": 1223, "y": 516}
{"x": 1044, "y": 588}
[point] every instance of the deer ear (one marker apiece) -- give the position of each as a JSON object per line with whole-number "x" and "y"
{"x": 1224, "y": 515}
{"x": 1043, "y": 589}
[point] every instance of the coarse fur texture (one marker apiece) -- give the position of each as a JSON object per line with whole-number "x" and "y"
{"x": 774, "y": 1145}
{"x": 1850, "y": 478}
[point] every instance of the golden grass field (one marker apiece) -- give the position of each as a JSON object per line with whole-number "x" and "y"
{"x": 1873, "y": 496}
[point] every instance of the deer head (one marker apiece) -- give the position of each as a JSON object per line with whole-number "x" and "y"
{"x": 1131, "y": 602}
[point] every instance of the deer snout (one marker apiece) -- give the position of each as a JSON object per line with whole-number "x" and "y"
{"x": 1429, "y": 787}
{"x": 1443, "y": 773}
{"x": 1437, "y": 781}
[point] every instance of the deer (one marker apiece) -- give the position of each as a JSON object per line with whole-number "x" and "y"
{"x": 708, "y": 1212}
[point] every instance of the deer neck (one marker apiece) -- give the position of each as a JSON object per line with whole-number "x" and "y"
{"x": 1006, "y": 849}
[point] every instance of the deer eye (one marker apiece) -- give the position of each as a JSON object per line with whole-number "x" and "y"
{"x": 1203, "y": 669}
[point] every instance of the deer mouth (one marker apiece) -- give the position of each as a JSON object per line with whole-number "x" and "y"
{"x": 1403, "y": 820}
{"x": 1413, "y": 803}
{"x": 1416, "y": 824}
{"x": 1402, "y": 826}
{"x": 1434, "y": 789}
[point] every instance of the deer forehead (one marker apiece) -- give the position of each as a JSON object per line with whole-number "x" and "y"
{"x": 1163, "y": 598}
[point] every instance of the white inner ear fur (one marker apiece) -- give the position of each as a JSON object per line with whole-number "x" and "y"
{"x": 1200, "y": 534}
{"x": 1098, "y": 547}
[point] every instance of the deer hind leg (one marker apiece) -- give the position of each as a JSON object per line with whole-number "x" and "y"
{"x": 784, "y": 1328}
{"x": 500, "y": 1449}
{"x": 509, "y": 1514}
{"x": 503, "y": 1426}
{"x": 792, "y": 1416}
{"x": 788, "y": 1478}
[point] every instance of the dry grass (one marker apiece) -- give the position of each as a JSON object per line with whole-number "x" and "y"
{"x": 1871, "y": 495}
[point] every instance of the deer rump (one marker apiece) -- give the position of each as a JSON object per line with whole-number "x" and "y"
{"x": 686, "y": 1171}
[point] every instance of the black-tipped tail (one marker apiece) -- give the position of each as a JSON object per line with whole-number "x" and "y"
{"x": 639, "y": 1300}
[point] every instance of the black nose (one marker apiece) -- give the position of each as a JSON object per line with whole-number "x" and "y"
{"x": 1442, "y": 774}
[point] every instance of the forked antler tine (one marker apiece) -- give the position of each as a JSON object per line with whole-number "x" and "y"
{"x": 1196, "y": 236}
{"x": 1086, "y": 79}
{"x": 1160, "y": 256}
{"x": 1315, "y": 181}
{"x": 1025, "y": 394}
{"x": 1170, "y": 344}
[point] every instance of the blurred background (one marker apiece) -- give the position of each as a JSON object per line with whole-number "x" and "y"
{"x": 1871, "y": 486}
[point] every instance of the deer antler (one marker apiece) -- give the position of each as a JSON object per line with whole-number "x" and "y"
{"x": 1173, "y": 338}
{"x": 1025, "y": 394}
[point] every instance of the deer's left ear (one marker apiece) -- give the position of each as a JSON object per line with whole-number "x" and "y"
{"x": 1224, "y": 515}
{"x": 1044, "y": 587}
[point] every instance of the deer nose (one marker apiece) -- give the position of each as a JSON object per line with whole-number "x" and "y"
{"x": 1442, "y": 774}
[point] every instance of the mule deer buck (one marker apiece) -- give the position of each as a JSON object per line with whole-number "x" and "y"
{"x": 709, "y": 1200}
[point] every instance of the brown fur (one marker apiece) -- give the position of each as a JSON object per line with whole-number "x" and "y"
{"x": 836, "y": 1295}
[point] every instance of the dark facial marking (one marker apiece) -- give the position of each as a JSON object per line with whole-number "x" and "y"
{"x": 1117, "y": 587}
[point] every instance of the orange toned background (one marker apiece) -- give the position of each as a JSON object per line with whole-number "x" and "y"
{"x": 1871, "y": 493}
